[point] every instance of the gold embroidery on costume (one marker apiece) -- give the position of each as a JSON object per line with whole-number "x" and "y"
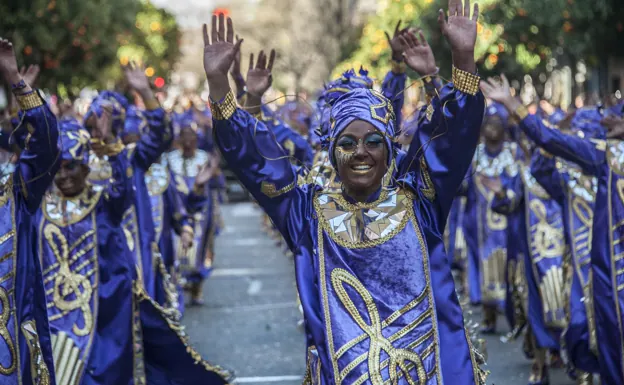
{"x": 378, "y": 343}
{"x": 67, "y": 364}
{"x": 384, "y": 104}
{"x": 552, "y": 295}
{"x": 289, "y": 146}
{"x": 72, "y": 291}
{"x": 138, "y": 373}
{"x": 38, "y": 368}
{"x": 493, "y": 288}
{"x": 363, "y": 225}
{"x": 547, "y": 240}
{"x": 428, "y": 188}
{"x": 68, "y": 211}
{"x": 5, "y": 335}
{"x": 271, "y": 191}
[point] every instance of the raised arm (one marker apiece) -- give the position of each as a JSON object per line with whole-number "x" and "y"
{"x": 589, "y": 155}
{"x": 247, "y": 145}
{"x": 39, "y": 159}
{"x": 443, "y": 147}
{"x": 544, "y": 170}
{"x": 158, "y": 137}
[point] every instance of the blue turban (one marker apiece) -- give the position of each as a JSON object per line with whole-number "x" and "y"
{"x": 348, "y": 82}
{"x": 183, "y": 120}
{"x": 369, "y": 106}
{"x": 136, "y": 122}
{"x": 118, "y": 104}
{"x": 74, "y": 141}
{"x": 587, "y": 120}
{"x": 497, "y": 110}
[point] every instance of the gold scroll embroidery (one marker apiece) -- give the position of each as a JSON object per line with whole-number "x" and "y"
{"x": 378, "y": 343}
{"x": 547, "y": 240}
{"x": 4, "y": 333}
{"x": 68, "y": 283}
{"x": 428, "y": 189}
{"x": 39, "y": 370}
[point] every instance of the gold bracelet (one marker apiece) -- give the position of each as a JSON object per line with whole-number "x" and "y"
{"x": 521, "y": 112}
{"x": 152, "y": 104}
{"x": 398, "y": 67}
{"x": 29, "y": 101}
{"x": 114, "y": 148}
{"x": 225, "y": 109}
{"x": 465, "y": 81}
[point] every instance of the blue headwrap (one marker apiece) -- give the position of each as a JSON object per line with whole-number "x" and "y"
{"x": 497, "y": 110}
{"x": 369, "y": 106}
{"x": 348, "y": 82}
{"x": 74, "y": 141}
{"x": 136, "y": 122}
{"x": 587, "y": 120}
{"x": 183, "y": 120}
{"x": 118, "y": 104}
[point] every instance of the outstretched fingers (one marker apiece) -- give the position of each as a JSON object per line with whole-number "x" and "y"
{"x": 271, "y": 60}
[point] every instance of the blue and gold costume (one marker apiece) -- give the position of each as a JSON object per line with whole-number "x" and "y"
{"x": 375, "y": 283}
{"x": 26, "y": 353}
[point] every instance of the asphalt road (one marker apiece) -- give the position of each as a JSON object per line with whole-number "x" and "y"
{"x": 249, "y": 321}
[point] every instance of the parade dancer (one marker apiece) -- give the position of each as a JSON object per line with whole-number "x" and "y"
{"x": 601, "y": 159}
{"x": 406, "y": 280}
{"x": 26, "y": 353}
{"x": 187, "y": 164}
{"x": 88, "y": 271}
{"x": 486, "y": 230}
{"x": 541, "y": 243}
{"x": 138, "y": 224}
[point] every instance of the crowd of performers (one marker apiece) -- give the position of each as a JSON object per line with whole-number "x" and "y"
{"x": 387, "y": 215}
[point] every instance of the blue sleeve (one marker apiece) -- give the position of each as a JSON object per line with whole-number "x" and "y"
{"x": 393, "y": 88}
{"x": 40, "y": 157}
{"x": 157, "y": 140}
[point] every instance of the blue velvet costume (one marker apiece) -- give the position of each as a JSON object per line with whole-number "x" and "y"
{"x": 25, "y": 346}
{"x": 374, "y": 280}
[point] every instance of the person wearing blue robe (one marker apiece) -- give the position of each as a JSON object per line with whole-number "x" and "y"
{"x": 167, "y": 212}
{"x": 542, "y": 245}
{"x": 374, "y": 279}
{"x": 88, "y": 272}
{"x": 602, "y": 159}
{"x": 186, "y": 163}
{"x": 485, "y": 230}
{"x": 138, "y": 223}
{"x": 26, "y": 351}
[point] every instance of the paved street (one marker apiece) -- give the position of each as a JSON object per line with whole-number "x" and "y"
{"x": 249, "y": 322}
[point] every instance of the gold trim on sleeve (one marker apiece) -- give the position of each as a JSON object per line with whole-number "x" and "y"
{"x": 428, "y": 188}
{"x": 465, "y": 81}
{"x": 29, "y": 101}
{"x": 271, "y": 191}
{"x": 225, "y": 109}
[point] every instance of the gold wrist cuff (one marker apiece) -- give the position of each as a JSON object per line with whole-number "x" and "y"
{"x": 398, "y": 67}
{"x": 115, "y": 148}
{"x": 465, "y": 81}
{"x": 152, "y": 104}
{"x": 29, "y": 101}
{"x": 521, "y": 112}
{"x": 225, "y": 109}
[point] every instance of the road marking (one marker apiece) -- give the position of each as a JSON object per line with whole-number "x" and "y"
{"x": 251, "y": 241}
{"x": 254, "y": 287}
{"x": 262, "y": 380}
{"x": 268, "y": 306}
{"x": 245, "y": 272}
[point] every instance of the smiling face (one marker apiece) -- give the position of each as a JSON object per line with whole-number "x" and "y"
{"x": 361, "y": 159}
{"x": 71, "y": 178}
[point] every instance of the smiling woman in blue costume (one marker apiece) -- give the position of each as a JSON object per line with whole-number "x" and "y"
{"x": 375, "y": 283}
{"x": 25, "y": 349}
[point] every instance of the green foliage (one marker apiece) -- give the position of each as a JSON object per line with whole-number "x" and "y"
{"x": 515, "y": 36}
{"x": 76, "y": 42}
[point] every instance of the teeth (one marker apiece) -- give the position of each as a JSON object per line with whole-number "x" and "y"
{"x": 362, "y": 167}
